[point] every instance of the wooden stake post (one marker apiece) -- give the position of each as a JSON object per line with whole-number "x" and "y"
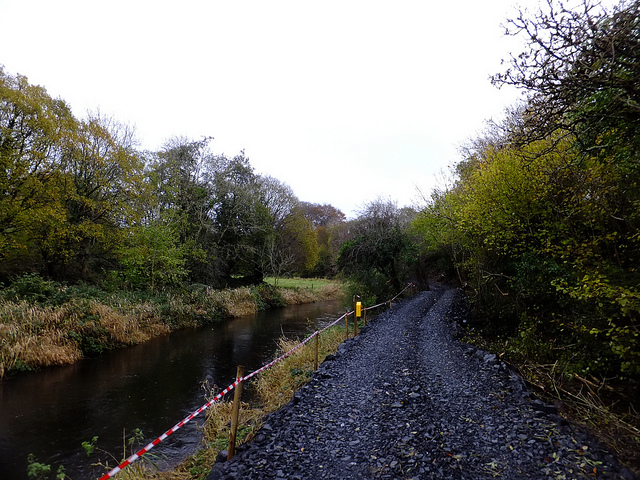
{"x": 346, "y": 324}
{"x": 237, "y": 395}
{"x": 317, "y": 341}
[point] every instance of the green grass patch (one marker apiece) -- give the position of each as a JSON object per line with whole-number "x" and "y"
{"x": 296, "y": 282}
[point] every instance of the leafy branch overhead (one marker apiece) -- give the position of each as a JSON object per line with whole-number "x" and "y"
{"x": 580, "y": 72}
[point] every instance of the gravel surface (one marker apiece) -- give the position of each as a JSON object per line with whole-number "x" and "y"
{"x": 405, "y": 400}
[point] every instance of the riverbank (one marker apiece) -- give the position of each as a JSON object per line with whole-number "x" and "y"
{"x": 43, "y": 323}
{"x": 269, "y": 391}
{"x": 274, "y": 389}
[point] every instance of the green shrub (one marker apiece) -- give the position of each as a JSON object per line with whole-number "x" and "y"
{"x": 33, "y": 288}
{"x": 267, "y": 296}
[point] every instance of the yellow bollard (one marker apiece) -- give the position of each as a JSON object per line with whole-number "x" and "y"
{"x": 358, "y": 314}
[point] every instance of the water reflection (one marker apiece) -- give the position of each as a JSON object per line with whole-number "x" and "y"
{"x": 151, "y": 387}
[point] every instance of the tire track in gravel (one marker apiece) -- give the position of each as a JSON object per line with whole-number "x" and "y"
{"x": 405, "y": 400}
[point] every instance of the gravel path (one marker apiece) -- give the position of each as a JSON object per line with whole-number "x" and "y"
{"x": 405, "y": 400}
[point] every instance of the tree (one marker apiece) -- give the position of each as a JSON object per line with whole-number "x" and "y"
{"x": 277, "y": 197}
{"x": 66, "y": 184}
{"x": 180, "y": 198}
{"x": 545, "y": 243}
{"x": 580, "y": 71}
{"x": 324, "y": 215}
{"x": 300, "y": 238}
{"x": 381, "y": 251}
{"x": 293, "y": 247}
{"x": 330, "y": 226}
{"x": 438, "y": 237}
{"x": 101, "y": 173}
{"x": 152, "y": 256}
{"x": 32, "y": 128}
{"x": 225, "y": 215}
{"x": 240, "y": 223}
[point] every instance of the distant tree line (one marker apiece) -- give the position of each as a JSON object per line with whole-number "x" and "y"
{"x": 79, "y": 201}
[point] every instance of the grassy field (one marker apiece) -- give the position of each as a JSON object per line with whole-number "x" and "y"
{"x": 296, "y": 282}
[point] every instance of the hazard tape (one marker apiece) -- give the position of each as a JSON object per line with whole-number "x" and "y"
{"x": 388, "y": 301}
{"x": 187, "y": 419}
{"x": 332, "y": 324}
{"x": 177, "y": 426}
{"x": 190, "y": 417}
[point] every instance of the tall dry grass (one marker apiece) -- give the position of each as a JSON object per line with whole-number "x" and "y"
{"x": 276, "y": 386}
{"x": 295, "y": 296}
{"x": 32, "y": 336}
{"x": 237, "y": 302}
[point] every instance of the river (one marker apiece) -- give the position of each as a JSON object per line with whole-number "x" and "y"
{"x": 150, "y": 387}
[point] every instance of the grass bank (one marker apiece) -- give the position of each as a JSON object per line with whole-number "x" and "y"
{"x": 43, "y": 323}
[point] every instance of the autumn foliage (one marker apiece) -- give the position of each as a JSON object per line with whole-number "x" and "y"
{"x": 542, "y": 220}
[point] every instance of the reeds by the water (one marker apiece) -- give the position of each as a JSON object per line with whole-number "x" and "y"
{"x": 34, "y": 336}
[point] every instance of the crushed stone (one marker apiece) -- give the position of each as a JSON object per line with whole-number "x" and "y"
{"x": 406, "y": 400}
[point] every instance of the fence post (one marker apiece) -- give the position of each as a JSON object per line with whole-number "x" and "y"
{"x": 346, "y": 324}
{"x": 365, "y": 315}
{"x": 315, "y": 363}
{"x": 237, "y": 395}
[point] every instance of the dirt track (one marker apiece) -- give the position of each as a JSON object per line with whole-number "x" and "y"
{"x": 404, "y": 399}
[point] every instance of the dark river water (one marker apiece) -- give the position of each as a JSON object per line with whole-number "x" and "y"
{"x": 150, "y": 387}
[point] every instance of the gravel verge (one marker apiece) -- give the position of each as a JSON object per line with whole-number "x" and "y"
{"x": 405, "y": 400}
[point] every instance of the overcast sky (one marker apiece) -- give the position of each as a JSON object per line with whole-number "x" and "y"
{"x": 345, "y": 101}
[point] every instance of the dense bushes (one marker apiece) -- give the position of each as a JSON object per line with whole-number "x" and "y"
{"x": 542, "y": 221}
{"x": 380, "y": 253}
{"x": 548, "y": 248}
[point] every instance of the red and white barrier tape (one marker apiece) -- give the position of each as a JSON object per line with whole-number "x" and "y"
{"x": 187, "y": 419}
{"x": 177, "y": 426}
{"x": 384, "y": 303}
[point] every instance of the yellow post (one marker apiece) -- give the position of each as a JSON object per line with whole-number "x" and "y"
{"x": 358, "y": 314}
{"x": 237, "y": 395}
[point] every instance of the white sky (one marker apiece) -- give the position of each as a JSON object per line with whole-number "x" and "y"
{"x": 345, "y": 101}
